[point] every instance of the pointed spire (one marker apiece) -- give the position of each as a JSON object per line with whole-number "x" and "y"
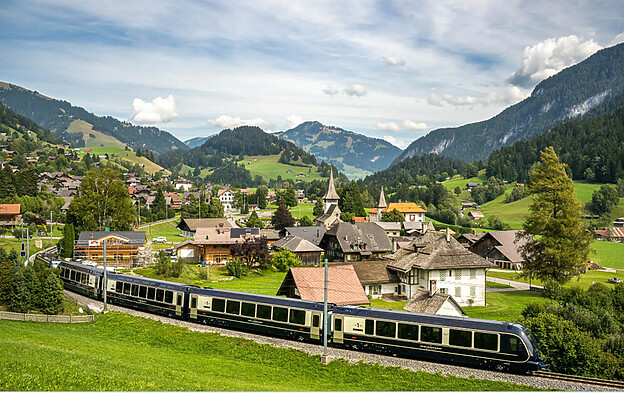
{"x": 382, "y": 200}
{"x": 331, "y": 189}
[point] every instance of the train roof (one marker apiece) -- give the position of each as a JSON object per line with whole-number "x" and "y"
{"x": 253, "y": 297}
{"x": 461, "y": 322}
{"x": 82, "y": 268}
{"x": 147, "y": 281}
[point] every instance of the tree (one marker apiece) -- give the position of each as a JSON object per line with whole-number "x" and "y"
{"x": 159, "y": 208}
{"x": 306, "y": 221}
{"x": 282, "y": 218}
{"x": 261, "y": 196}
{"x": 163, "y": 264}
{"x": 560, "y": 244}
{"x": 51, "y": 299}
{"x": 251, "y": 251}
{"x": 236, "y": 268}
{"x": 7, "y": 182}
{"x": 457, "y": 190}
{"x": 284, "y": 260}
{"x": 319, "y": 208}
{"x": 20, "y": 297}
{"x": 102, "y": 202}
{"x": 287, "y": 197}
{"x": 604, "y": 200}
{"x": 254, "y": 221}
{"x": 215, "y": 209}
{"x": 26, "y": 181}
{"x": 351, "y": 201}
{"x": 66, "y": 244}
{"x": 392, "y": 216}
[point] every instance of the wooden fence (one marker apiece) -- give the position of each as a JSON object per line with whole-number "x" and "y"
{"x": 14, "y": 316}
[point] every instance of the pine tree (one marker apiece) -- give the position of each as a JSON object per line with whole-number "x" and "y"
{"x": 7, "y": 182}
{"x": 33, "y": 285}
{"x": 254, "y": 221}
{"x": 67, "y": 242}
{"x": 319, "y": 208}
{"x": 20, "y": 297}
{"x": 562, "y": 245}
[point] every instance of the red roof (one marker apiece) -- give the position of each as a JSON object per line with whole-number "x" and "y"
{"x": 10, "y": 208}
{"x": 344, "y": 287}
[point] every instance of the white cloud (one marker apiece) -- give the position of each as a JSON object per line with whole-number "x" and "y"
{"x": 617, "y": 40}
{"x": 396, "y": 142}
{"x": 548, "y": 57}
{"x": 411, "y": 125}
{"x": 160, "y": 110}
{"x": 434, "y": 100}
{"x": 388, "y": 126}
{"x": 355, "y": 89}
{"x": 293, "y": 121}
{"x": 330, "y": 91}
{"x": 225, "y": 121}
{"x": 394, "y": 61}
{"x": 511, "y": 95}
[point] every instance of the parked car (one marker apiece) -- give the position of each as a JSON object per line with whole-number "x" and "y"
{"x": 614, "y": 280}
{"x": 169, "y": 251}
{"x": 159, "y": 239}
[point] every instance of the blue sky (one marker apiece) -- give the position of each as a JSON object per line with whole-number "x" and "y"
{"x": 392, "y": 70}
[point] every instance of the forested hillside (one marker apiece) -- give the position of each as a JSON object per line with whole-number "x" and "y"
{"x": 58, "y": 116}
{"x": 593, "y": 149}
{"x": 21, "y": 123}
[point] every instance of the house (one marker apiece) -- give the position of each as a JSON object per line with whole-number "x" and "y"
{"x": 331, "y": 211}
{"x": 437, "y": 303}
{"x": 10, "y": 215}
{"x": 188, "y": 226}
{"x": 355, "y": 242}
{"x": 613, "y": 234}
{"x": 182, "y": 184}
{"x": 308, "y": 253}
{"x": 393, "y": 229}
{"x": 212, "y": 245}
{"x": 411, "y": 212}
{"x": 308, "y": 283}
{"x": 475, "y": 215}
{"x": 417, "y": 228}
{"x": 502, "y": 248}
{"x": 619, "y": 223}
{"x": 312, "y": 234}
{"x": 123, "y": 248}
{"x": 467, "y": 205}
{"x": 470, "y": 186}
{"x": 437, "y": 262}
{"x": 227, "y": 199}
{"x": 173, "y": 200}
{"x": 377, "y": 280}
{"x": 270, "y": 234}
{"x": 468, "y": 239}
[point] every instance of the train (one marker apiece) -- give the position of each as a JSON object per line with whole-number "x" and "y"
{"x": 502, "y": 346}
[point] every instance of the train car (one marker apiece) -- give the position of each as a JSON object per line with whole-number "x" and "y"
{"x": 81, "y": 278}
{"x": 472, "y": 342}
{"x": 147, "y": 294}
{"x": 268, "y": 315}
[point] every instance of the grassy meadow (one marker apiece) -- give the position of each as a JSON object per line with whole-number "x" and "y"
{"x": 127, "y": 155}
{"x": 608, "y": 254}
{"x": 582, "y": 280}
{"x": 269, "y": 168}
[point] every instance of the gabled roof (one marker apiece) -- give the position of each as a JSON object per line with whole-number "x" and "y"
{"x": 368, "y": 236}
{"x": 191, "y": 224}
{"x": 312, "y": 234}
{"x": 418, "y": 226}
{"x": 405, "y": 207}
{"x": 373, "y": 272}
{"x": 344, "y": 286}
{"x": 432, "y": 251}
{"x": 211, "y": 235}
{"x": 389, "y": 226}
{"x": 422, "y": 303}
{"x": 507, "y": 244}
{"x": 296, "y": 244}
{"x": 331, "y": 189}
{"x": 471, "y": 238}
{"x": 331, "y": 212}
{"x": 476, "y": 214}
{"x": 130, "y": 237}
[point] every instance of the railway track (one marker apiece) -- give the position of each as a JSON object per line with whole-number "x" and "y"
{"x": 578, "y": 379}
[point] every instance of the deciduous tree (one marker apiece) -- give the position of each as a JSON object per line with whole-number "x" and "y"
{"x": 392, "y": 216}
{"x": 282, "y": 218}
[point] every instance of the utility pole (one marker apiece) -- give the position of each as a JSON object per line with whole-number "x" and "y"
{"x": 139, "y": 211}
{"x": 51, "y": 228}
{"x": 325, "y": 357}
{"x": 104, "y": 280}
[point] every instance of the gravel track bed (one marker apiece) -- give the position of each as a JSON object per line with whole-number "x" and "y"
{"x": 355, "y": 356}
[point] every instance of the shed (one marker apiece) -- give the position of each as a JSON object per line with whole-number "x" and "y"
{"x": 308, "y": 253}
{"x": 438, "y": 303}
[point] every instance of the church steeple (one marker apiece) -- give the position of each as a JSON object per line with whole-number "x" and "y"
{"x": 382, "y": 201}
{"x": 331, "y": 196}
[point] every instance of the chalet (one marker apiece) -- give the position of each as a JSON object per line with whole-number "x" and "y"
{"x": 123, "y": 248}
{"x": 307, "y": 283}
{"x": 502, "y": 248}
{"x": 182, "y": 184}
{"x": 308, "y": 253}
{"x": 10, "y": 215}
{"x": 393, "y": 229}
{"x": 312, "y": 234}
{"x": 613, "y": 234}
{"x": 437, "y": 262}
{"x": 475, "y": 215}
{"x": 355, "y": 242}
{"x": 212, "y": 245}
{"x": 227, "y": 199}
{"x": 468, "y": 239}
{"x": 173, "y": 200}
{"x": 377, "y": 280}
{"x": 417, "y": 228}
{"x": 467, "y": 205}
{"x": 470, "y": 186}
{"x": 189, "y": 226}
{"x": 436, "y": 303}
{"x": 270, "y": 234}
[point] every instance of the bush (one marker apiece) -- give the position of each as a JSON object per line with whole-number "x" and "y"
{"x": 284, "y": 260}
{"x": 177, "y": 268}
{"x": 236, "y": 268}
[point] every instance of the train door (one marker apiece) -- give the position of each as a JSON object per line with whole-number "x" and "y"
{"x": 179, "y": 304}
{"x": 338, "y": 329}
{"x": 316, "y": 326}
{"x": 193, "y": 307}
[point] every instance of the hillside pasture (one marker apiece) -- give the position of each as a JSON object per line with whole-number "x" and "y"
{"x": 91, "y": 137}
{"x": 127, "y": 155}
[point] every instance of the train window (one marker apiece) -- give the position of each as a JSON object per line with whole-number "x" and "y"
{"x": 316, "y": 320}
{"x": 179, "y": 302}
{"x": 233, "y": 307}
{"x": 151, "y": 293}
{"x": 297, "y": 316}
{"x": 385, "y": 329}
{"x": 486, "y": 341}
{"x": 369, "y": 327}
{"x": 248, "y": 309}
{"x": 264, "y": 312}
{"x": 126, "y": 290}
{"x": 513, "y": 345}
{"x": 193, "y": 302}
{"x": 218, "y": 305}
{"x": 85, "y": 279}
{"x": 119, "y": 287}
{"x": 431, "y": 334}
{"x": 142, "y": 291}
{"x": 408, "y": 332}
{"x": 135, "y": 290}
{"x": 73, "y": 275}
{"x": 460, "y": 338}
{"x": 160, "y": 294}
{"x": 280, "y": 314}
{"x": 168, "y": 297}
{"x": 338, "y": 325}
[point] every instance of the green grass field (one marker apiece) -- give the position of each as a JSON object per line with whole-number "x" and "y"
{"x": 91, "y": 137}
{"x": 120, "y": 352}
{"x": 583, "y": 280}
{"x": 505, "y": 306}
{"x": 302, "y": 209}
{"x": 166, "y": 229}
{"x": 269, "y": 168}
{"x": 608, "y": 254}
{"x": 126, "y": 155}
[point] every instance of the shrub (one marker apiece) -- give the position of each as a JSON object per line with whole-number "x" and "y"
{"x": 284, "y": 260}
{"x": 236, "y": 268}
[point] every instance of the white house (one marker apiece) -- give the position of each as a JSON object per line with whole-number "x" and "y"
{"x": 182, "y": 184}
{"x": 227, "y": 199}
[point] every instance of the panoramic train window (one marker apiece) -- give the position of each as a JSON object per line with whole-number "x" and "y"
{"x": 151, "y": 293}
{"x": 486, "y": 341}
{"x": 431, "y": 334}
{"x": 218, "y": 305}
{"x": 316, "y": 320}
{"x": 264, "y": 312}
{"x": 369, "y": 327}
{"x": 385, "y": 329}
{"x": 297, "y": 316}
{"x": 126, "y": 290}
{"x": 248, "y": 309}
{"x": 135, "y": 290}
{"x": 160, "y": 294}
{"x": 280, "y": 314}
{"x": 233, "y": 307}
{"x": 73, "y": 275}
{"x": 461, "y": 338}
{"x": 168, "y": 297}
{"x": 143, "y": 292}
{"x": 119, "y": 287}
{"x": 408, "y": 332}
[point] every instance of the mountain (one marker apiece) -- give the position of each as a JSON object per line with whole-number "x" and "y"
{"x": 11, "y": 121}
{"x": 354, "y": 154}
{"x": 75, "y": 124}
{"x": 588, "y": 88}
{"x": 197, "y": 141}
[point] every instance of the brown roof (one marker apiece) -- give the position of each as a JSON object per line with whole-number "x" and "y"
{"x": 368, "y": 236}
{"x": 10, "y": 208}
{"x": 343, "y": 288}
{"x": 616, "y": 232}
{"x": 508, "y": 244}
{"x": 206, "y": 236}
{"x": 423, "y": 303}
{"x": 372, "y": 272}
{"x": 193, "y": 223}
{"x": 471, "y": 237}
{"x": 432, "y": 251}
{"x": 296, "y": 244}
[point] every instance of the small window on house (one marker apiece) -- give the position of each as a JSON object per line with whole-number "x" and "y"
{"x": 218, "y": 305}
{"x": 369, "y": 327}
{"x": 442, "y": 275}
{"x": 422, "y": 274}
{"x": 460, "y": 338}
{"x": 473, "y": 291}
{"x": 458, "y": 274}
{"x": 431, "y": 334}
{"x": 443, "y": 290}
{"x": 473, "y": 274}
{"x": 457, "y": 291}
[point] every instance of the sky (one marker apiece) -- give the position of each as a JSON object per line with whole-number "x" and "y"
{"x": 387, "y": 69}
